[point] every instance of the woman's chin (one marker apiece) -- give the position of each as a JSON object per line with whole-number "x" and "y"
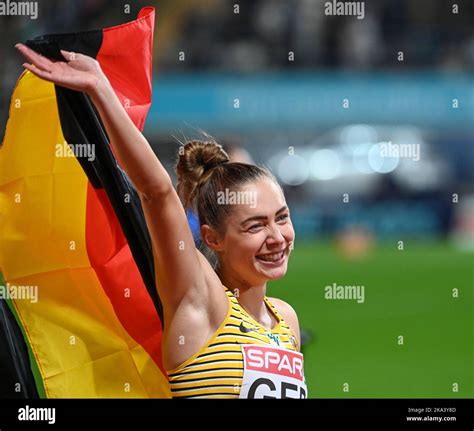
{"x": 272, "y": 273}
{"x": 277, "y": 276}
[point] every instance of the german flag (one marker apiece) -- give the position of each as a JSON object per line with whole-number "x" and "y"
{"x": 75, "y": 252}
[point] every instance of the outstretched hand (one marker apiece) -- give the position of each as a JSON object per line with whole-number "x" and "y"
{"x": 78, "y": 72}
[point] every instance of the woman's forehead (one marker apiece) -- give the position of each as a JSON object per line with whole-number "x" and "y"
{"x": 263, "y": 198}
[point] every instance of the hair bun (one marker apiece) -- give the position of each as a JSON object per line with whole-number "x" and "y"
{"x": 195, "y": 159}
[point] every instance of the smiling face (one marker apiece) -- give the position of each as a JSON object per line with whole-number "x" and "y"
{"x": 259, "y": 234}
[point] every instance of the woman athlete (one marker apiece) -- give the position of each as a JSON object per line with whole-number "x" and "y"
{"x": 223, "y": 337}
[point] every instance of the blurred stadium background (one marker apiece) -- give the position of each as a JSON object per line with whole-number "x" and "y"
{"x": 314, "y": 97}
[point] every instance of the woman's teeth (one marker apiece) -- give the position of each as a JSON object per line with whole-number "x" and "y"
{"x": 271, "y": 257}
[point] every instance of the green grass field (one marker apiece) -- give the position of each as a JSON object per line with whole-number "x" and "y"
{"x": 407, "y": 293}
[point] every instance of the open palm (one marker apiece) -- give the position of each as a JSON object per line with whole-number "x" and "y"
{"x": 79, "y": 72}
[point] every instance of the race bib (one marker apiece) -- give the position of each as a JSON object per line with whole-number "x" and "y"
{"x": 271, "y": 372}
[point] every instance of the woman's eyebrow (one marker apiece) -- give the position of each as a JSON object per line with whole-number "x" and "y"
{"x": 283, "y": 208}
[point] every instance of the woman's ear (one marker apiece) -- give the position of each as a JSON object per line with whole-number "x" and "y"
{"x": 211, "y": 238}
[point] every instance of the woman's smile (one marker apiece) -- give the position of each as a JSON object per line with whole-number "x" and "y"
{"x": 272, "y": 259}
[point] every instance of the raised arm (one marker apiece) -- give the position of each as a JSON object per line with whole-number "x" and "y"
{"x": 181, "y": 271}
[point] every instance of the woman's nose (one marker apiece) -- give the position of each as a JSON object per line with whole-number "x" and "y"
{"x": 275, "y": 235}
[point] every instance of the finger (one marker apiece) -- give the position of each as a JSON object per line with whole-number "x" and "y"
{"x": 38, "y": 72}
{"x": 35, "y": 58}
{"x": 69, "y": 55}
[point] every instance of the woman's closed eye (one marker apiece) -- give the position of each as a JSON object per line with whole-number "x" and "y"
{"x": 255, "y": 227}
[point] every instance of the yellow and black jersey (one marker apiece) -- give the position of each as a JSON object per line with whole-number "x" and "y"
{"x": 217, "y": 369}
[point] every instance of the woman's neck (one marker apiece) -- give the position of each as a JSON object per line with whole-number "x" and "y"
{"x": 250, "y": 297}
